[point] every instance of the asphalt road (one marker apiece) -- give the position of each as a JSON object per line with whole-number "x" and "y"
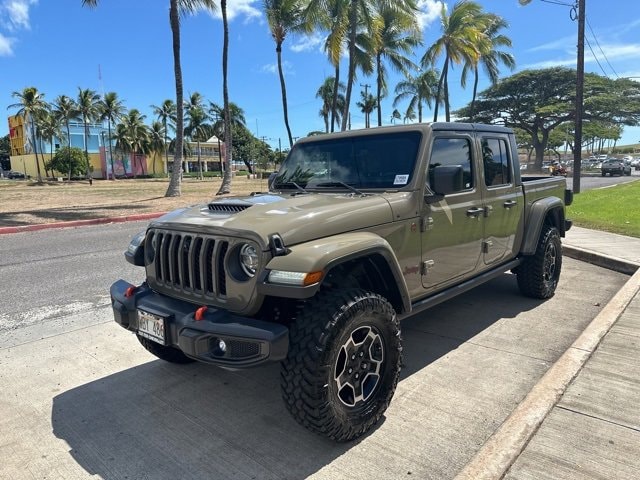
{"x": 80, "y": 398}
{"x": 591, "y": 182}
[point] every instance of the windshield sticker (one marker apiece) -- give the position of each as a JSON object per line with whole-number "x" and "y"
{"x": 401, "y": 180}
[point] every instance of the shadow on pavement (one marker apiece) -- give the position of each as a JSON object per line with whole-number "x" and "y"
{"x": 165, "y": 421}
{"x": 64, "y": 214}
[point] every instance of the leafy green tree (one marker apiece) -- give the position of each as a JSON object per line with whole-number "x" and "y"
{"x": 283, "y": 16}
{"x": 325, "y": 93}
{"x": 69, "y": 159}
{"x": 537, "y": 101}
{"x": 176, "y": 9}
{"x": 111, "y": 109}
{"x": 30, "y": 104}
{"x": 65, "y": 110}
{"x": 166, "y": 113}
{"x": 395, "y": 35}
{"x": 89, "y": 111}
{"x": 5, "y": 145}
{"x": 461, "y": 42}
{"x": 418, "y": 90}
{"x": 491, "y": 56}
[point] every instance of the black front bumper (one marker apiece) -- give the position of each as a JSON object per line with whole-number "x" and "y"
{"x": 248, "y": 341}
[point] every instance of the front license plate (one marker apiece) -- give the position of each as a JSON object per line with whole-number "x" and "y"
{"x": 151, "y": 326}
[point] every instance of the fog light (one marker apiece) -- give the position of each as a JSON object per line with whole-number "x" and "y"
{"x": 222, "y": 346}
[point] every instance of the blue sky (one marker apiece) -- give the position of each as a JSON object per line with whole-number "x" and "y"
{"x": 58, "y": 46}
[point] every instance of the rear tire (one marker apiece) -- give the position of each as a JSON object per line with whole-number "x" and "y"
{"x": 164, "y": 352}
{"x": 538, "y": 274}
{"x": 343, "y": 363}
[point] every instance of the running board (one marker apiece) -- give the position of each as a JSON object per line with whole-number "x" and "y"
{"x": 456, "y": 290}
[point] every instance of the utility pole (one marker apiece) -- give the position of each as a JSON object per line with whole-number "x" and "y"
{"x": 577, "y": 142}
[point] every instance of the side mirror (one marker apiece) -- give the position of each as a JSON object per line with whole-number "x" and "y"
{"x": 446, "y": 179}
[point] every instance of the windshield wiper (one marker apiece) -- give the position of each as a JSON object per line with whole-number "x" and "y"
{"x": 341, "y": 184}
{"x": 301, "y": 189}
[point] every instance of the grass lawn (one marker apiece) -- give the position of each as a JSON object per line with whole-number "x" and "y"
{"x": 614, "y": 209}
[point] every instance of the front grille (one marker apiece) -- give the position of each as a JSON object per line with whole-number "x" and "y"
{"x": 190, "y": 263}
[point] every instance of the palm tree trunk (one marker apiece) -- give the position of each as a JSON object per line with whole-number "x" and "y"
{"x": 35, "y": 149}
{"x": 113, "y": 172}
{"x": 475, "y": 92}
{"x": 379, "y": 92}
{"x": 86, "y": 151}
{"x": 284, "y": 93}
{"x": 334, "y": 100}
{"x": 225, "y": 186}
{"x": 446, "y": 93}
{"x": 439, "y": 92}
{"x": 69, "y": 148}
{"x": 200, "y": 176}
{"x": 353, "y": 19}
{"x": 419, "y": 110}
{"x": 174, "y": 188}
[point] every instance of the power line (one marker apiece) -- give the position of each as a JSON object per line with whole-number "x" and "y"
{"x": 596, "y": 58}
{"x": 603, "y": 54}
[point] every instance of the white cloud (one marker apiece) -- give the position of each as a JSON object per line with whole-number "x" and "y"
{"x": 429, "y": 12}
{"x": 238, "y": 8}
{"x": 308, "y": 42}
{"x": 6, "y": 46}
{"x": 17, "y": 14}
{"x": 613, "y": 52}
{"x": 287, "y": 68}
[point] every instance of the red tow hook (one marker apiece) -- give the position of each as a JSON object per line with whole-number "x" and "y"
{"x": 199, "y": 315}
{"x": 130, "y": 292}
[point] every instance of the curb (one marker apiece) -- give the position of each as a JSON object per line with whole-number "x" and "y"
{"x": 80, "y": 223}
{"x": 612, "y": 263}
{"x": 503, "y": 448}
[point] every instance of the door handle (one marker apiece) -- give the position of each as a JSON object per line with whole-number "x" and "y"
{"x": 475, "y": 212}
{"x": 510, "y": 203}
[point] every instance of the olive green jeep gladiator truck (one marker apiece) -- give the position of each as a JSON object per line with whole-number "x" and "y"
{"x": 358, "y": 230}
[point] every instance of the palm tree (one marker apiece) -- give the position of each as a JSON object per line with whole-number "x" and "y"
{"x": 367, "y": 104}
{"x": 48, "y": 127}
{"x": 418, "y": 90}
{"x": 236, "y": 119}
{"x": 225, "y": 186}
{"x": 491, "y": 57}
{"x": 395, "y": 115}
{"x": 137, "y": 135}
{"x": 110, "y": 109}
{"x": 283, "y": 16}
{"x": 88, "y": 102}
{"x": 65, "y": 109}
{"x": 123, "y": 144}
{"x": 197, "y": 127}
{"x": 176, "y": 9}
{"x": 30, "y": 104}
{"x": 462, "y": 41}
{"x": 331, "y": 106}
{"x": 166, "y": 113}
{"x": 157, "y": 140}
{"x": 395, "y": 35}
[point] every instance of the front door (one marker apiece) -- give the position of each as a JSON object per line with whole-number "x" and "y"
{"x": 452, "y": 229}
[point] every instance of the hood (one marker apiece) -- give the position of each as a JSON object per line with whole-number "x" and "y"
{"x": 297, "y": 218}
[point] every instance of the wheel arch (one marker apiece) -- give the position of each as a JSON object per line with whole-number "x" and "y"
{"x": 548, "y": 210}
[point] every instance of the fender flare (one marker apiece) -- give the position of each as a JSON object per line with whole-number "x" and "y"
{"x": 537, "y": 214}
{"x": 327, "y": 253}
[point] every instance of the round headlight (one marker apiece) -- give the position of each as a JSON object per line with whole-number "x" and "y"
{"x": 248, "y": 259}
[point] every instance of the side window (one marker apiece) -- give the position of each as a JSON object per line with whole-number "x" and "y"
{"x": 452, "y": 152}
{"x": 496, "y": 162}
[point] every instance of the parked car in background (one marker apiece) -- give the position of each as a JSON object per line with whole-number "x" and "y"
{"x": 615, "y": 166}
{"x": 15, "y": 175}
{"x": 635, "y": 163}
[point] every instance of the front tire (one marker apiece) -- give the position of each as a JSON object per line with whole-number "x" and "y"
{"x": 343, "y": 363}
{"x": 163, "y": 352}
{"x": 538, "y": 274}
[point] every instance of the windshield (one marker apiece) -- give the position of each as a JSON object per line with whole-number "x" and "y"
{"x": 369, "y": 161}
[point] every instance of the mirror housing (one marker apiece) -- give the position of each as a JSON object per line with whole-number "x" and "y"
{"x": 446, "y": 179}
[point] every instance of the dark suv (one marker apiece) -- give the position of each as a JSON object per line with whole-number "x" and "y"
{"x": 615, "y": 166}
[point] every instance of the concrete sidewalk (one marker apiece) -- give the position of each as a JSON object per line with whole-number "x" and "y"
{"x": 581, "y": 420}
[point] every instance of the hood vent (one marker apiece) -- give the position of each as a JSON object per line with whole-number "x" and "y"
{"x": 227, "y": 207}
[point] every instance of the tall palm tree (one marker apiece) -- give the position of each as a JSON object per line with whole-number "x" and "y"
{"x": 367, "y": 104}
{"x": 30, "y": 104}
{"x": 65, "y": 110}
{"x": 137, "y": 134}
{"x": 197, "y": 127}
{"x": 418, "y": 90}
{"x": 123, "y": 145}
{"x": 235, "y": 118}
{"x": 331, "y": 106}
{"x": 490, "y": 57}
{"x": 395, "y": 35}
{"x": 283, "y": 16}
{"x": 88, "y": 109}
{"x": 48, "y": 128}
{"x": 111, "y": 109}
{"x": 225, "y": 186}
{"x": 157, "y": 140}
{"x": 462, "y": 41}
{"x": 166, "y": 113}
{"x": 176, "y": 9}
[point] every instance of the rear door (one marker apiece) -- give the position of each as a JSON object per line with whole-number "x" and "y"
{"x": 503, "y": 201}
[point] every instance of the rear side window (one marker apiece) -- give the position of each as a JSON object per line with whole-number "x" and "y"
{"x": 496, "y": 162}
{"x": 452, "y": 152}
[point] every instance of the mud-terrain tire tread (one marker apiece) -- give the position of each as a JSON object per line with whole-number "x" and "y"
{"x": 306, "y": 371}
{"x": 531, "y": 271}
{"x": 163, "y": 352}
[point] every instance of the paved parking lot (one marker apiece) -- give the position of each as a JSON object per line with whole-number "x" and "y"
{"x": 80, "y": 398}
